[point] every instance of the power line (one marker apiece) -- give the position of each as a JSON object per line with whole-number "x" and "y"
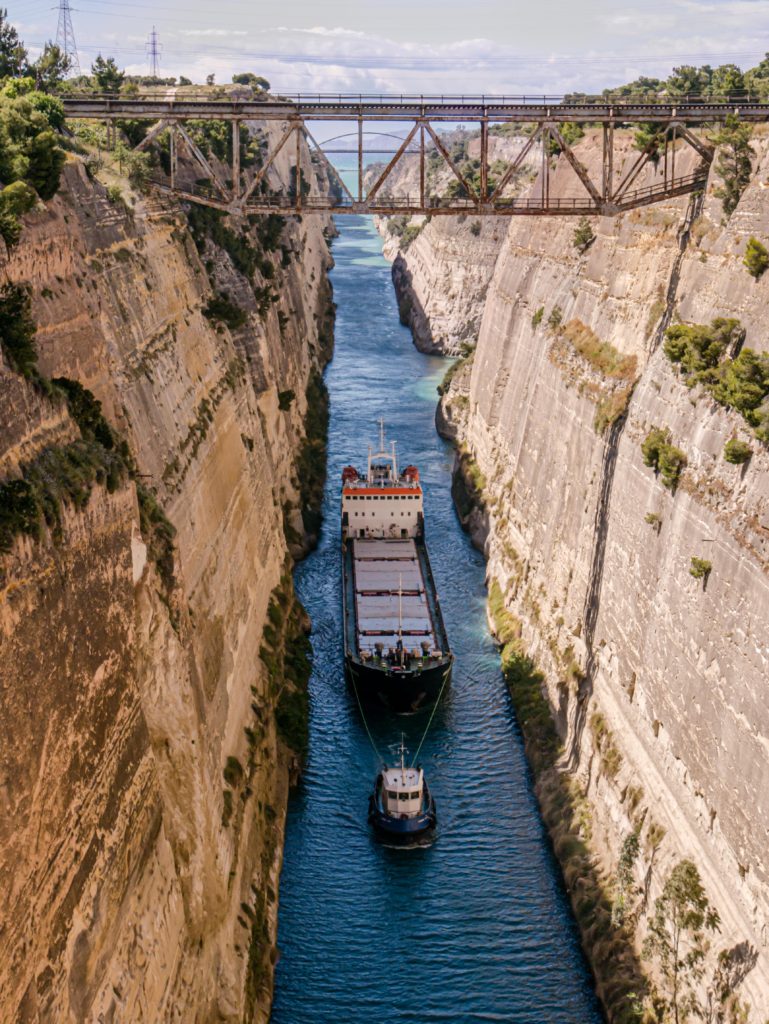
{"x": 65, "y": 38}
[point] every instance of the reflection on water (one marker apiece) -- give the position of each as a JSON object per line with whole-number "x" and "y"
{"x": 474, "y": 926}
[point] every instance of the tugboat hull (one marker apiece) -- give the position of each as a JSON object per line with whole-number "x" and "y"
{"x": 401, "y": 691}
{"x": 401, "y": 828}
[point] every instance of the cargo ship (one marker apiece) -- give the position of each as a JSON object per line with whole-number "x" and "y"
{"x": 396, "y": 648}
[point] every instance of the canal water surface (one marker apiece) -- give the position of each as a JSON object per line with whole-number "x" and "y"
{"x": 475, "y": 927}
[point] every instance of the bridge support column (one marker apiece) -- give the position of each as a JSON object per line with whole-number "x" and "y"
{"x": 298, "y": 164}
{"x": 422, "y": 166}
{"x": 484, "y": 161}
{"x": 608, "y": 160}
{"x": 235, "y": 161}
{"x": 360, "y": 159}
{"x": 172, "y": 153}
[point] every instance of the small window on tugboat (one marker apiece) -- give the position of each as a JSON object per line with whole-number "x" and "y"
{"x": 415, "y": 796}
{"x": 403, "y": 796}
{"x": 392, "y": 794}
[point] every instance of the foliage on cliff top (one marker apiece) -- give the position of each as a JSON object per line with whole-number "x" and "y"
{"x": 31, "y": 158}
{"x": 602, "y": 355}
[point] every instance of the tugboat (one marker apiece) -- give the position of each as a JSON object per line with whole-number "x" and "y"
{"x": 401, "y": 808}
{"x": 396, "y": 648}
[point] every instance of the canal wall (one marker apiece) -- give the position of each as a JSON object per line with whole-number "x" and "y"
{"x": 143, "y": 775}
{"x": 655, "y": 670}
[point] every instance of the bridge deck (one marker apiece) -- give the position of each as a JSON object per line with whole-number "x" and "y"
{"x": 399, "y": 108}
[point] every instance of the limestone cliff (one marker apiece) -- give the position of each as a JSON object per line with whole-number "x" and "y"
{"x": 442, "y": 265}
{"x": 657, "y": 678}
{"x": 143, "y": 777}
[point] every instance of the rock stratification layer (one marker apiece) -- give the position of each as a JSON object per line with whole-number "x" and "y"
{"x": 142, "y": 775}
{"x": 656, "y": 675}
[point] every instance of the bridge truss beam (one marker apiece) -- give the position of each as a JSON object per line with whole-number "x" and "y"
{"x": 482, "y": 197}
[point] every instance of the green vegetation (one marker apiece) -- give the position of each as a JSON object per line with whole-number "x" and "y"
{"x": 663, "y": 457}
{"x": 756, "y": 258}
{"x": 536, "y": 318}
{"x": 556, "y": 317}
{"x": 233, "y": 771}
{"x": 410, "y": 233}
{"x": 583, "y": 236}
{"x": 311, "y": 464}
{"x": 475, "y": 228}
{"x": 62, "y": 474}
{"x": 31, "y": 158}
{"x": 653, "y": 519}
{"x": 107, "y": 75}
{"x": 287, "y": 655}
{"x": 221, "y": 309}
{"x": 624, "y": 883}
{"x": 465, "y": 359}
{"x": 285, "y": 398}
{"x": 17, "y": 330}
{"x": 677, "y": 942}
{"x": 570, "y": 132}
{"x": 742, "y": 383}
{"x": 734, "y": 160}
{"x": 736, "y": 451}
{"x": 696, "y": 347}
{"x": 700, "y": 568}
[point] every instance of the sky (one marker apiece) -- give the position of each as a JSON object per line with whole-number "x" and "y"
{"x": 414, "y": 46}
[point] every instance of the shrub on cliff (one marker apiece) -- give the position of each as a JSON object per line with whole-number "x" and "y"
{"x": 756, "y": 258}
{"x": 583, "y": 236}
{"x": 697, "y": 347}
{"x": 737, "y": 452}
{"x": 17, "y": 329}
{"x": 221, "y": 309}
{"x": 663, "y": 457}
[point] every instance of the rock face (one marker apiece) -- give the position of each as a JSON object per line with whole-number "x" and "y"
{"x": 441, "y": 277}
{"x": 593, "y": 553}
{"x": 142, "y": 777}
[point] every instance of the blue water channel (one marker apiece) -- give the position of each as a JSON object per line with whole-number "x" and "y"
{"x": 475, "y": 927}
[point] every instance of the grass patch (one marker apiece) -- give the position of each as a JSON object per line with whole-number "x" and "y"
{"x": 311, "y": 463}
{"x": 602, "y": 356}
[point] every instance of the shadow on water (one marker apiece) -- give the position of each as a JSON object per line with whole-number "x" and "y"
{"x": 474, "y": 926}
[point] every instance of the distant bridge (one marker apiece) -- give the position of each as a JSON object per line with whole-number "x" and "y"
{"x": 675, "y": 119}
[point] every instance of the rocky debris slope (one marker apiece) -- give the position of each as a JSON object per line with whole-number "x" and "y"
{"x": 150, "y": 720}
{"x": 646, "y": 606}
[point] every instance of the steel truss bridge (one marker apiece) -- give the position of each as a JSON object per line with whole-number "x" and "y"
{"x": 675, "y": 122}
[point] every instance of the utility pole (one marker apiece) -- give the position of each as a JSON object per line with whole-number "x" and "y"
{"x": 153, "y": 53}
{"x": 65, "y": 39}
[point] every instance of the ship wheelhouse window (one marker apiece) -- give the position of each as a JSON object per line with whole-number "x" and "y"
{"x": 415, "y": 796}
{"x": 392, "y": 794}
{"x": 403, "y": 796}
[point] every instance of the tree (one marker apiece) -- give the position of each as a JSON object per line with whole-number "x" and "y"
{"x": 13, "y": 56}
{"x": 50, "y": 68}
{"x": 756, "y": 258}
{"x": 256, "y": 81}
{"x": 676, "y": 939}
{"x": 734, "y": 160}
{"x": 108, "y": 77}
{"x": 583, "y": 236}
{"x": 727, "y": 80}
{"x": 688, "y": 80}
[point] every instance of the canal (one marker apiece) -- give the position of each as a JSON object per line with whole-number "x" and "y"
{"x": 475, "y": 927}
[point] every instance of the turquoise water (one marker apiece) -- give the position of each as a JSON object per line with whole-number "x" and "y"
{"x": 475, "y": 927}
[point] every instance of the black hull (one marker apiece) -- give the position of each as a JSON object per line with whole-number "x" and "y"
{"x": 402, "y": 692}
